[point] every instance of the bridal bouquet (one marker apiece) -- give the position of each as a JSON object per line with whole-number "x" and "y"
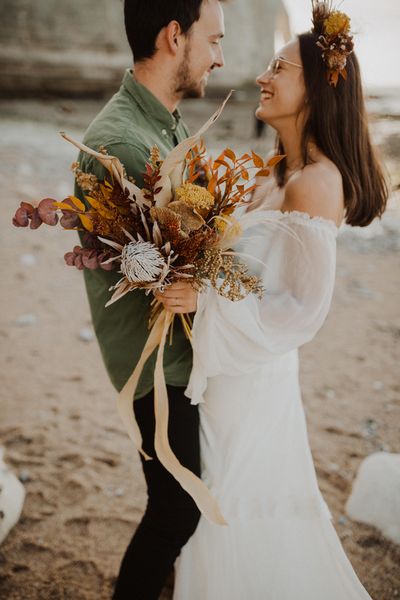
{"x": 169, "y": 230}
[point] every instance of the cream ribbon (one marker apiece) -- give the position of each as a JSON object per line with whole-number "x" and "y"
{"x": 206, "y": 503}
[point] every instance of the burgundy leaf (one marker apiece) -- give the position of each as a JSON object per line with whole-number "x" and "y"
{"x": 28, "y": 207}
{"x": 78, "y": 262}
{"x": 107, "y": 267}
{"x": 69, "y": 220}
{"x": 36, "y": 221}
{"x": 105, "y": 256}
{"x": 20, "y": 218}
{"x": 47, "y": 211}
{"x": 69, "y": 258}
{"x": 89, "y": 258}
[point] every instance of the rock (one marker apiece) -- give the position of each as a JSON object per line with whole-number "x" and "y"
{"x": 375, "y": 496}
{"x": 369, "y": 429}
{"x": 12, "y": 495}
{"x": 24, "y": 320}
{"x": 28, "y": 260}
{"x": 24, "y": 476}
{"x": 378, "y": 386}
{"x": 86, "y": 335}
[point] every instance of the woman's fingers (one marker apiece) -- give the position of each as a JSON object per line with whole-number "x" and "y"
{"x": 184, "y": 305}
{"x": 178, "y": 298}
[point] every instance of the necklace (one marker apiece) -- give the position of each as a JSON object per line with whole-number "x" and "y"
{"x": 298, "y": 164}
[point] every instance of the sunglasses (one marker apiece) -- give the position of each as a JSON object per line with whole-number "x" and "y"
{"x": 275, "y": 64}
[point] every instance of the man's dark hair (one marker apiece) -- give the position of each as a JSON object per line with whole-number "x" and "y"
{"x": 144, "y": 20}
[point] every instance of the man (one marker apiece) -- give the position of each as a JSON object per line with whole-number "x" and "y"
{"x": 176, "y": 44}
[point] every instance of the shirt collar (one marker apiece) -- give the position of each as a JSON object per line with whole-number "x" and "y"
{"x": 149, "y": 103}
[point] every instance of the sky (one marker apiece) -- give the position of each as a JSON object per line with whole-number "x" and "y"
{"x": 375, "y": 24}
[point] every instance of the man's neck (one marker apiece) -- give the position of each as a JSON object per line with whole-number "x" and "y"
{"x": 158, "y": 83}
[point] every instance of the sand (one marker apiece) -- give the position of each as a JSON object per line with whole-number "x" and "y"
{"x": 59, "y": 424}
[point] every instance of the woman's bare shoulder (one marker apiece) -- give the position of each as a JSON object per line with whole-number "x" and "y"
{"x": 317, "y": 190}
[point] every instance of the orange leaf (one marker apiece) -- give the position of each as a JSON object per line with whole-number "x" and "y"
{"x": 78, "y": 203}
{"x": 245, "y": 175}
{"x": 237, "y": 178}
{"x": 333, "y": 77}
{"x": 230, "y": 154}
{"x": 257, "y": 160}
{"x": 251, "y": 189}
{"x": 228, "y": 211}
{"x": 219, "y": 162}
{"x": 86, "y": 222}
{"x": 263, "y": 173}
{"x": 64, "y": 206}
{"x": 275, "y": 160}
{"x": 212, "y": 184}
{"x": 98, "y": 206}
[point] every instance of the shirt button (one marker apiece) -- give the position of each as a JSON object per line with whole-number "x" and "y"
{"x": 173, "y": 127}
{"x": 164, "y": 132}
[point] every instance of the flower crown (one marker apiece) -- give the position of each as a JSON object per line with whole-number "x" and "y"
{"x": 332, "y": 29}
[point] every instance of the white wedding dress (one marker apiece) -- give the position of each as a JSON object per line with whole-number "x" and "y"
{"x": 279, "y": 542}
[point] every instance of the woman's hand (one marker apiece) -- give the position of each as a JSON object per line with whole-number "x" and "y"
{"x": 179, "y": 297}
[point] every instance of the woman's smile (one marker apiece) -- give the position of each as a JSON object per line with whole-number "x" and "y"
{"x": 266, "y": 95}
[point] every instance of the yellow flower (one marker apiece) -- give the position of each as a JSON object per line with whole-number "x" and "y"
{"x": 221, "y": 225}
{"x": 195, "y": 196}
{"x": 336, "y": 23}
{"x": 226, "y": 224}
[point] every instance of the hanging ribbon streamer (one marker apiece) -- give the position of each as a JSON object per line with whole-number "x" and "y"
{"x": 192, "y": 484}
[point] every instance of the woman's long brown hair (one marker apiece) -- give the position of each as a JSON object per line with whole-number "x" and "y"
{"x": 337, "y": 122}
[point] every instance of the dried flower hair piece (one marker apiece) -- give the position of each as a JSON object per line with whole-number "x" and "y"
{"x": 332, "y": 29}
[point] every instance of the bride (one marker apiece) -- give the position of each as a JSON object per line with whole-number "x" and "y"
{"x": 279, "y": 542}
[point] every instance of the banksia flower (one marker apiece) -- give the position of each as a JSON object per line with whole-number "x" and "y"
{"x": 141, "y": 262}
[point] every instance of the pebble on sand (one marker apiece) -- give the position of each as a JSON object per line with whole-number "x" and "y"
{"x": 25, "y": 320}
{"x": 86, "y": 335}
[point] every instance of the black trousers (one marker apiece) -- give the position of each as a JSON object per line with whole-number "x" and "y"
{"x": 171, "y": 515}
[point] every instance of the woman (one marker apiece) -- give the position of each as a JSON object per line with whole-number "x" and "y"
{"x": 280, "y": 543}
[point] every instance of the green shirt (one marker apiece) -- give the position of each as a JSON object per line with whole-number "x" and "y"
{"x": 128, "y": 126}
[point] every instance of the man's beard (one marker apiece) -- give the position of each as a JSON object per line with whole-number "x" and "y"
{"x": 185, "y": 85}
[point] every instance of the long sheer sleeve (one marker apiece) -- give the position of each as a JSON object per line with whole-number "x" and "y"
{"x": 295, "y": 256}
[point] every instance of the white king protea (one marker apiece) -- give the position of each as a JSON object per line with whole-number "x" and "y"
{"x": 141, "y": 262}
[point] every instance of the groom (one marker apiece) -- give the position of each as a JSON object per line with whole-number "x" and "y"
{"x": 176, "y": 44}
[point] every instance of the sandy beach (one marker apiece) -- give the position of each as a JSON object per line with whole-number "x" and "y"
{"x": 59, "y": 425}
